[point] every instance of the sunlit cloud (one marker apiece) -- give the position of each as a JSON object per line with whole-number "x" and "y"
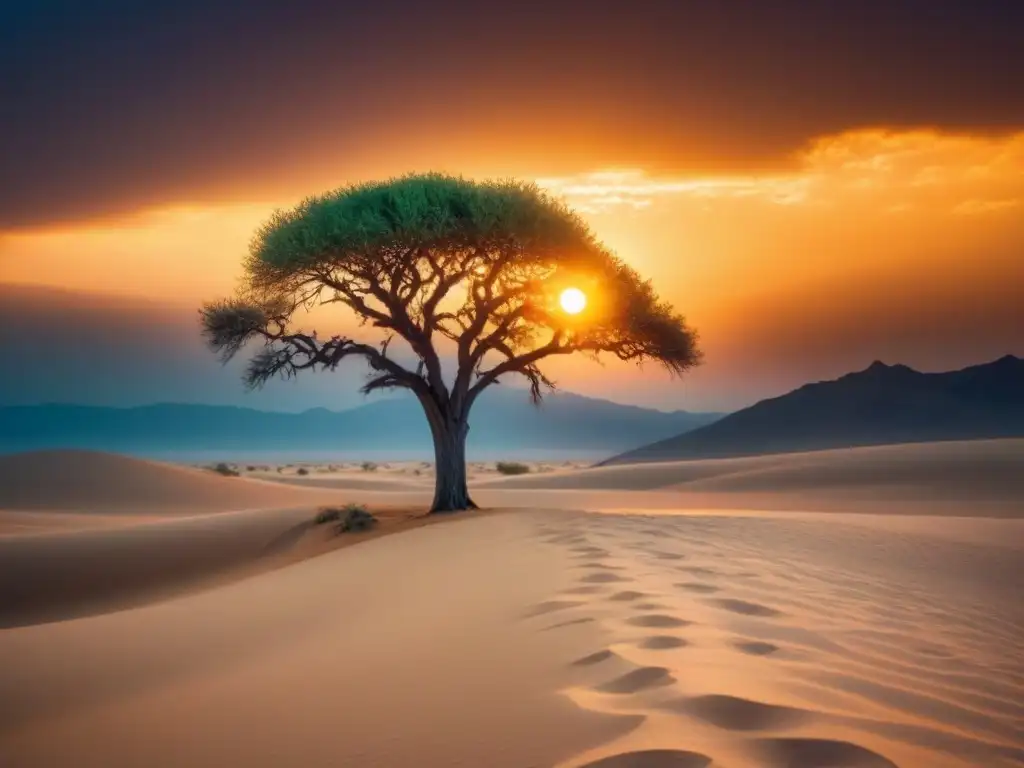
{"x": 980, "y": 207}
{"x": 963, "y": 174}
{"x": 633, "y": 188}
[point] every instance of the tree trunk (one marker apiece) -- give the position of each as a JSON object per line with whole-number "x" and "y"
{"x": 450, "y": 490}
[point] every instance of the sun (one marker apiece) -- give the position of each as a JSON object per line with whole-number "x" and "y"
{"x": 573, "y": 300}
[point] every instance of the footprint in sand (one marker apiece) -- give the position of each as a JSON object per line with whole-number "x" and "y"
{"x": 662, "y": 642}
{"x": 698, "y": 570}
{"x": 755, "y": 647}
{"x": 627, "y": 596}
{"x": 603, "y": 578}
{"x": 600, "y": 566}
{"x": 570, "y": 623}
{"x": 735, "y": 714}
{"x": 638, "y": 680}
{"x": 589, "y": 589}
{"x": 814, "y": 753}
{"x": 701, "y": 589}
{"x": 654, "y": 620}
{"x": 571, "y": 538}
{"x": 667, "y": 555}
{"x": 594, "y": 658}
{"x": 653, "y": 758}
{"x": 744, "y": 607}
{"x": 550, "y": 606}
{"x": 590, "y": 551}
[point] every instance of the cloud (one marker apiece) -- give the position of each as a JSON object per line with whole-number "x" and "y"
{"x": 898, "y": 169}
{"x": 980, "y": 207}
{"x": 121, "y": 106}
{"x": 633, "y": 188}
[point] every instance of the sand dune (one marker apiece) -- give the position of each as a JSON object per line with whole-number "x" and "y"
{"x": 346, "y": 659}
{"x": 84, "y": 533}
{"x": 813, "y": 644}
{"x": 66, "y": 574}
{"x": 932, "y": 478}
{"x": 198, "y": 624}
{"x": 110, "y": 484}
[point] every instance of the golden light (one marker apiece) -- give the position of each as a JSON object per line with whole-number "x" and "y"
{"x": 573, "y": 300}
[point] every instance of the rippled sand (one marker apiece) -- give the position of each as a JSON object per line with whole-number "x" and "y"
{"x": 773, "y": 641}
{"x": 705, "y": 634}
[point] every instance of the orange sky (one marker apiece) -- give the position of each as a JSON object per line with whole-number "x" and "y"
{"x": 901, "y": 245}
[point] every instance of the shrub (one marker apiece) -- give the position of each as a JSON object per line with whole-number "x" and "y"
{"x": 301, "y": 471}
{"x": 224, "y": 469}
{"x": 327, "y": 515}
{"x": 350, "y": 518}
{"x": 250, "y": 468}
{"x": 512, "y": 468}
{"x": 369, "y": 466}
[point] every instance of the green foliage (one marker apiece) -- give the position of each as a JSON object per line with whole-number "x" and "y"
{"x": 368, "y": 466}
{"x": 430, "y": 210}
{"x": 512, "y": 468}
{"x": 327, "y": 515}
{"x": 428, "y": 258}
{"x": 350, "y": 518}
{"x": 224, "y": 469}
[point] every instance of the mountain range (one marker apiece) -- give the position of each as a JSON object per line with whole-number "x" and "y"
{"x": 879, "y": 405}
{"x": 503, "y": 420}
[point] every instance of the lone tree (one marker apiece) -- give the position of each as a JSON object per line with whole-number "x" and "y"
{"x": 496, "y": 276}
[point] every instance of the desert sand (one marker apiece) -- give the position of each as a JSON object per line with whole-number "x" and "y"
{"x": 846, "y": 608}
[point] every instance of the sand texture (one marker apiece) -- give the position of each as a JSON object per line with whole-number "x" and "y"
{"x": 165, "y": 616}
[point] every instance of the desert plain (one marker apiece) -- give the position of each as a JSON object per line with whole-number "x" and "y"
{"x": 856, "y": 608}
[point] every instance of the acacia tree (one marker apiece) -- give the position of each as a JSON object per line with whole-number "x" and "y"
{"x": 437, "y": 260}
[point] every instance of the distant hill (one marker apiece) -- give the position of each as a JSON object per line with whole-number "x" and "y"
{"x": 502, "y": 420}
{"x": 880, "y": 405}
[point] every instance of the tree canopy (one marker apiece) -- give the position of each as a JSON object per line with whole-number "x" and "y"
{"x": 436, "y": 259}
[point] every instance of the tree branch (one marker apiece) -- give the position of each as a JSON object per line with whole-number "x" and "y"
{"x": 520, "y": 364}
{"x": 228, "y": 327}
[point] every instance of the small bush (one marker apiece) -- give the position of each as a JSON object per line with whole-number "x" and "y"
{"x": 350, "y": 518}
{"x": 369, "y": 466}
{"x": 512, "y": 468}
{"x": 301, "y": 471}
{"x": 250, "y": 468}
{"x": 327, "y": 515}
{"x": 224, "y": 469}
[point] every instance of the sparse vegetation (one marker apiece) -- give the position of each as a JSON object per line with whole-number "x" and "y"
{"x": 301, "y": 471}
{"x": 224, "y": 469}
{"x": 351, "y": 518}
{"x": 250, "y": 468}
{"x": 368, "y": 466}
{"x": 512, "y": 468}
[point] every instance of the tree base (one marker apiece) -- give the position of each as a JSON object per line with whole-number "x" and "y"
{"x": 447, "y": 509}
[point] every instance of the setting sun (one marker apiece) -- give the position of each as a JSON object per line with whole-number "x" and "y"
{"x": 573, "y": 300}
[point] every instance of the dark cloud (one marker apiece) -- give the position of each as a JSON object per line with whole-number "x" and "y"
{"x": 109, "y": 106}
